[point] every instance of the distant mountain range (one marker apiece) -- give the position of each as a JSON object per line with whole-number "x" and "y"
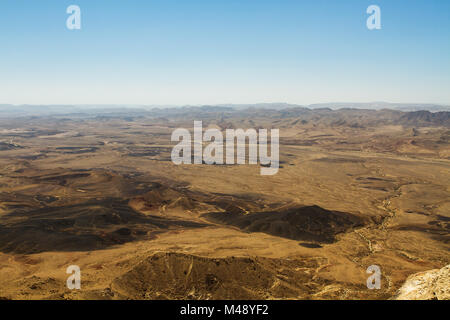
{"x": 383, "y": 105}
{"x": 348, "y": 105}
{"x": 67, "y": 109}
{"x": 345, "y": 114}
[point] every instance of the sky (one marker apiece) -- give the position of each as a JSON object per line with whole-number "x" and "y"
{"x": 198, "y": 52}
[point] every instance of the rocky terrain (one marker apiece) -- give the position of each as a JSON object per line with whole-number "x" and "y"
{"x": 428, "y": 285}
{"x": 98, "y": 189}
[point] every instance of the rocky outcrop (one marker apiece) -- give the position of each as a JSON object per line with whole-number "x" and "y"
{"x": 428, "y": 285}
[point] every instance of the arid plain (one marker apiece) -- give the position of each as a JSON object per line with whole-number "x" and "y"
{"x": 355, "y": 188}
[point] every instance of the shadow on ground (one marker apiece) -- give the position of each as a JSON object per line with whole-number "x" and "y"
{"x": 309, "y": 223}
{"x": 92, "y": 225}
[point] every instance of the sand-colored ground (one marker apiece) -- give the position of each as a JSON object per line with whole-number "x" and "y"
{"x": 105, "y": 196}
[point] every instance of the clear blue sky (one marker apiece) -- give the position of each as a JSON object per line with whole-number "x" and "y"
{"x": 227, "y": 51}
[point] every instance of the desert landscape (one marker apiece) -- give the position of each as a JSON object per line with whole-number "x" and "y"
{"x": 97, "y": 188}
